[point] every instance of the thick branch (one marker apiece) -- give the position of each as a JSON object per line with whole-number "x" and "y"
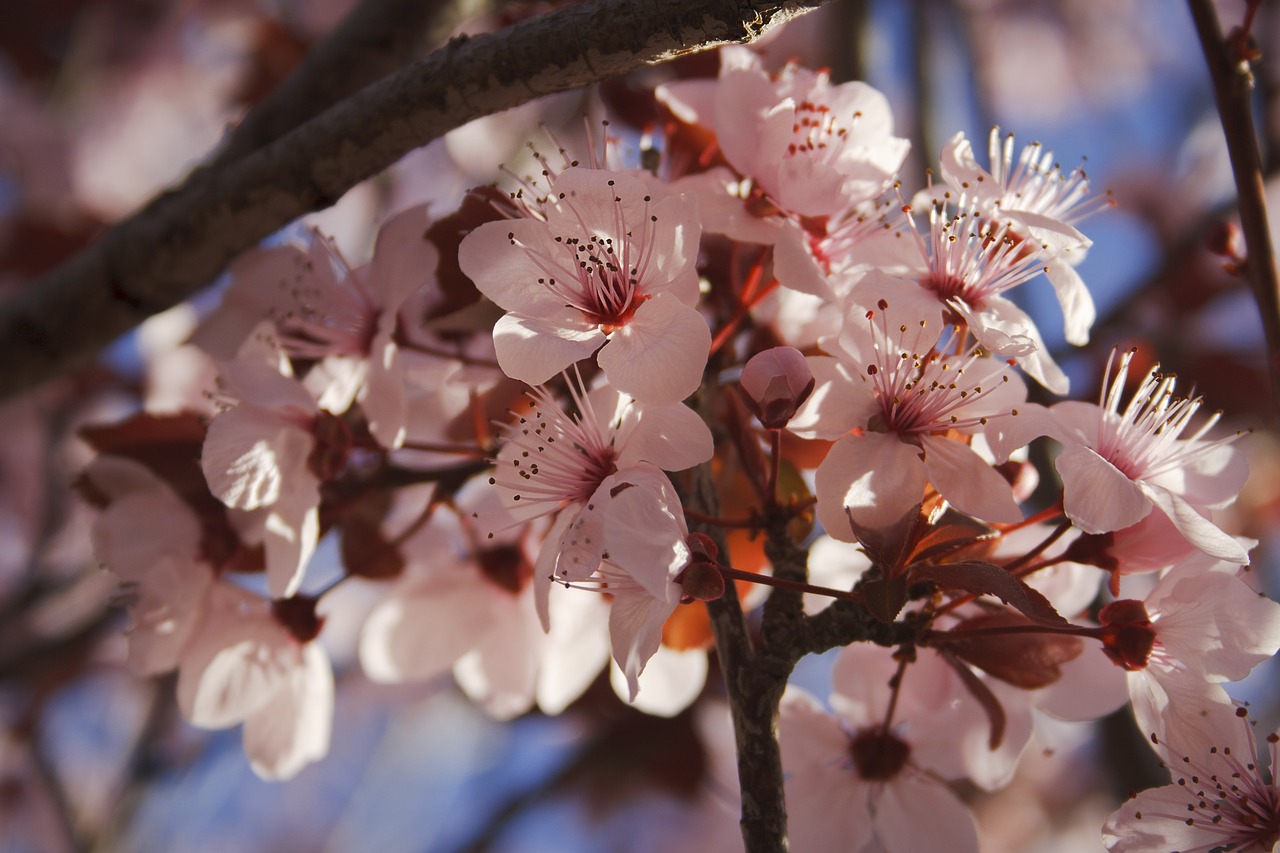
{"x": 1232, "y": 89}
{"x": 378, "y": 38}
{"x": 180, "y": 241}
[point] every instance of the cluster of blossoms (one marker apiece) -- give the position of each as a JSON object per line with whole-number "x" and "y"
{"x": 601, "y": 318}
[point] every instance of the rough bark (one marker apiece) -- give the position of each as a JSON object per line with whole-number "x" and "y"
{"x": 180, "y": 241}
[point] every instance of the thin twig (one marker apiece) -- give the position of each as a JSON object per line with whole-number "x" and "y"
{"x": 1232, "y": 89}
{"x": 180, "y": 241}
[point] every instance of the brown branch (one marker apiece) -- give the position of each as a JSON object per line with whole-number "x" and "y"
{"x": 1232, "y": 89}
{"x": 180, "y": 241}
{"x": 378, "y": 38}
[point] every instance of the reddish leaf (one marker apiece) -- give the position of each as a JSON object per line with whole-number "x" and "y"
{"x": 979, "y": 578}
{"x": 884, "y": 598}
{"x": 1023, "y": 660}
{"x": 953, "y": 532}
{"x": 456, "y": 290}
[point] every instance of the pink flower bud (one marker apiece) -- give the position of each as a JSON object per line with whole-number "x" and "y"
{"x": 774, "y": 384}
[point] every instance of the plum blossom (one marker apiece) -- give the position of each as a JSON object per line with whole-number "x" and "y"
{"x": 968, "y": 264}
{"x": 1119, "y": 464}
{"x": 1219, "y": 799}
{"x": 630, "y": 543}
{"x": 1201, "y": 622}
{"x": 898, "y": 409}
{"x": 604, "y": 260}
{"x": 808, "y": 158}
{"x": 266, "y": 456}
{"x": 1040, "y": 202}
{"x": 476, "y": 618}
{"x": 555, "y": 462}
{"x": 254, "y": 662}
{"x": 868, "y": 778}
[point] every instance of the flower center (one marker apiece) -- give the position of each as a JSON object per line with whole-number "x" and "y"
{"x": 878, "y": 755}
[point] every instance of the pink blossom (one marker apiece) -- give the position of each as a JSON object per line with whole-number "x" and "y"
{"x": 1117, "y": 464}
{"x": 899, "y": 409}
{"x": 242, "y": 665}
{"x": 809, "y": 146}
{"x": 809, "y": 159}
{"x": 968, "y": 264}
{"x": 630, "y": 542}
{"x": 1200, "y": 622}
{"x": 258, "y": 457}
{"x": 476, "y": 617}
{"x": 606, "y": 260}
{"x": 862, "y": 780}
{"x": 1041, "y": 202}
{"x": 1220, "y": 799}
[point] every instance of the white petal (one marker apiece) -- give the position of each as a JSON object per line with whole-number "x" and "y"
{"x": 914, "y": 813}
{"x": 671, "y": 437}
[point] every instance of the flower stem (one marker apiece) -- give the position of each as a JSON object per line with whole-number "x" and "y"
{"x": 794, "y": 586}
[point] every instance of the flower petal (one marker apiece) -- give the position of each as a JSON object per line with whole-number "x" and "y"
{"x": 659, "y": 356}
{"x": 1097, "y": 496}
{"x": 967, "y": 482}
{"x": 533, "y": 349}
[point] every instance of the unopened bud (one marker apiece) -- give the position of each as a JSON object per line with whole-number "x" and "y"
{"x": 774, "y": 384}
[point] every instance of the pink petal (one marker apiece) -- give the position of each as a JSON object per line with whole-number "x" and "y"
{"x": 967, "y": 482}
{"x": 671, "y": 437}
{"x": 251, "y": 456}
{"x": 419, "y": 633}
{"x": 294, "y": 728}
{"x": 290, "y": 535}
{"x": 533, "y": 349}
{"x": 914, "y": 813}
{"x": 1197, "y": 529}
{"x": 576, "y": 648}
{"x": 1097, "y": 496}
{"x": 659, "y": 356}
{"x": 508, "y": 273}
{"x": 672, "y": 680}
{"x": 1156, "y": 831}
{"x": 795, "y": 266}
{"x": 403, "y": 258}
{"x": 382, "y": 397}
{"x": 1078, "y": 311}
{"x": 234, "y": 663}
{"x": 876, "y": 476}
{"x": 838, "y": 403}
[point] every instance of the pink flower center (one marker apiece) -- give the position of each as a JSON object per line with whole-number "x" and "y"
{"x": 600, "y": 268}
{"x": 919, "y": 390}
{"x": 552, "y": 459}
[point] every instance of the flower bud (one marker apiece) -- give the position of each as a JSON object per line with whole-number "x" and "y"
{"x": 774, "y": 384}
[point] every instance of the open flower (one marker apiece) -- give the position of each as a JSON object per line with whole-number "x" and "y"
{"x": 1118, "y": 464}
{"x": 632, "y": 535}
{"x": 899, "y": 411}
{"x": 1040, "y": 202}
{"x": 606, "y": 261}
{"x": 1220, "y": 799}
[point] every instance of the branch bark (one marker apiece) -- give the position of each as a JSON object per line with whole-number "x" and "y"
{"x": 180, "y": 241}
{"x": 1232, "y": 90}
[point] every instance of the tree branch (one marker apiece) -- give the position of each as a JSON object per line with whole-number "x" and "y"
{"x": 180, "y": 241}
{"x": 378, "y": 38}
{"x": 1232, "y": 89}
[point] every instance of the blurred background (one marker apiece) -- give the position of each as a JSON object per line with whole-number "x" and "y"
{"x": 107, "y": 102}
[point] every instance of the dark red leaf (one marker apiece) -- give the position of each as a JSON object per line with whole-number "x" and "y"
{"x": 979, "y": 578}
{"x": 1023, "y": 660}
